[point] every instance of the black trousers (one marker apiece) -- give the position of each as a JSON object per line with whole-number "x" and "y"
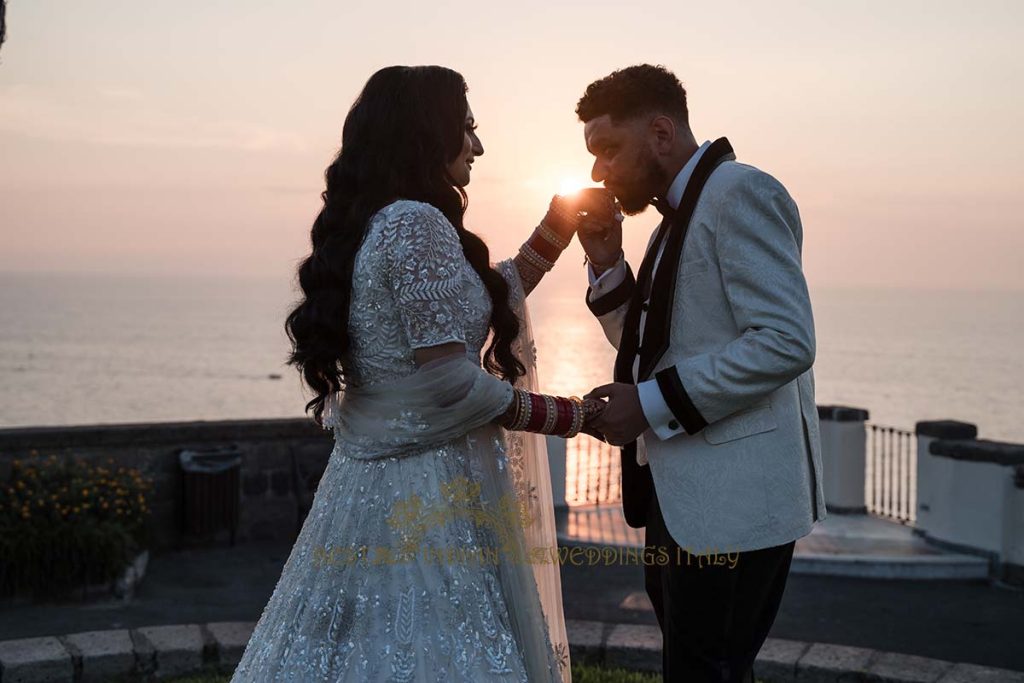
{"x": 715, "y": 610}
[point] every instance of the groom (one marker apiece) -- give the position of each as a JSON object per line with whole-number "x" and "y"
{"x": 713, "y": 400}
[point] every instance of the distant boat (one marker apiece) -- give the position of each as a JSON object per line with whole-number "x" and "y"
{"x": 273, "y": 375}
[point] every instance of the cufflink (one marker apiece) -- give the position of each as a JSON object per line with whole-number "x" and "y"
{"x": 673, "y": 425}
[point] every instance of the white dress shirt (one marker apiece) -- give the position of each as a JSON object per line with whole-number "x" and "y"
{"x": 659, "y": 416}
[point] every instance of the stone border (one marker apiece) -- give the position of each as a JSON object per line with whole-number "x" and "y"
{"x": 159, "y": 433}
{"x": 780, "y": 661}
{"x": 189, "y": 649}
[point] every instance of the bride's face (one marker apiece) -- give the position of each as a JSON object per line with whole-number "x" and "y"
{"x": 462, "y": 166}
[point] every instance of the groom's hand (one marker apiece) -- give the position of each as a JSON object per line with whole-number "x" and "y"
{"x": 601, "y": 237}
{"x": 623, "y": 420}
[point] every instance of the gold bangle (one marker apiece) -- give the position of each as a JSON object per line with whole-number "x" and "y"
{"x": 577, "y": 417}
{"x": 552, "y": 414}
{"x": 535, "y": 259}
{"x": 524, "y": 410}
{"x": 532, "y": 275}
{"x": 551, "y": 237}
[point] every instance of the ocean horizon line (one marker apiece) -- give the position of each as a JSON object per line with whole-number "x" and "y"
{"x": 238, "y": 277}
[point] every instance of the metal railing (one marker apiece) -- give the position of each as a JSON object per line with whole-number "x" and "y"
{"x": 592, "y": 470}
{"x": 890, "y": 476}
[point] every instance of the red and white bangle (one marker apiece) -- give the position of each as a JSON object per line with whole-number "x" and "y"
{"x": 545, "y": 414}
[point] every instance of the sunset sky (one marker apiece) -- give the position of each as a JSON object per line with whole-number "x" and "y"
{"x": 190, "y": 136}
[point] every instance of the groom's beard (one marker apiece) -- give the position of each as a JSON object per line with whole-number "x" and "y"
{"x": 635, "y": 194}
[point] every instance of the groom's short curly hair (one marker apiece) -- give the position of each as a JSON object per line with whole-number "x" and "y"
{"x": 634, "y": 90}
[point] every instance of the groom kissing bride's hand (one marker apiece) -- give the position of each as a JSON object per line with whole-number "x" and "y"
{"x": 622, "y": 419}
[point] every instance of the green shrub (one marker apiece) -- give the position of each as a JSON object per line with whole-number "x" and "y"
{"x": 65, "y": 524}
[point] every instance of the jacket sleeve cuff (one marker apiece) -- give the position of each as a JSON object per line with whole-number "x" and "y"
{"x": 659, "y": 416}
{"x": 610, "y": 291}
{"x": 609, "y": 279}
{"x": 685, "y": 414}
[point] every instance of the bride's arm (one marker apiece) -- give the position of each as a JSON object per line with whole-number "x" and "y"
{"x": 424, "y": 263}
{"x": 549, "y": 239}
{"x": 538, "y": 254}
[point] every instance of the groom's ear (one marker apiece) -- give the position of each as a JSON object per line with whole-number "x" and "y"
{"x": 663, "y": 133}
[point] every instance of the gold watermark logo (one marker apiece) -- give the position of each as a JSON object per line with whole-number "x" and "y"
{"x": 576, "y": 556}
{"x": 412, "y": 518}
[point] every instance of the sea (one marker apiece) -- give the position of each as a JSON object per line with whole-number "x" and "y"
{"x": 106, "y": 349}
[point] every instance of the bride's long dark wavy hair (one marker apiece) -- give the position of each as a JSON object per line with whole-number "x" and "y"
{"x": 401, "y": 133}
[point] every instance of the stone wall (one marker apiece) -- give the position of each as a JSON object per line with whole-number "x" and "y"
{"x": 269, "y": 507}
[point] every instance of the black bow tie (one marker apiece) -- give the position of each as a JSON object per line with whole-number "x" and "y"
{"x": 663, "y": 207}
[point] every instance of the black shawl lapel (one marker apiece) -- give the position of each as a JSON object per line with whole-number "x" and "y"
{"x": 658, "y": 325}
{"x": 637, "y": 483}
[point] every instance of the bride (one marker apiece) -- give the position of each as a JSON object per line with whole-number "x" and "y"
{"x": 429, "y": 553}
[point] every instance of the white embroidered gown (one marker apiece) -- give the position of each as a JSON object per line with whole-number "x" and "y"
{"x": 395, "y": 621}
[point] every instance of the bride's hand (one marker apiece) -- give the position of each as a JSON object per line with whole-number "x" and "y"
{"x": 590, "y": 201}
{"x": 566, "y": 213}
{"x": 592, "y": 408}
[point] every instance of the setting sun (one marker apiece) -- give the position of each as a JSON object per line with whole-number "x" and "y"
{"x": 571, "y": 185}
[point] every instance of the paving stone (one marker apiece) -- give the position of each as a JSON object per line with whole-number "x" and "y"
{"x": 35, "y": 660}
{"x": 891, "y": 667}
{"x": 824, "y": 663}
{"x": 777, "y": 659}
{"x": 635, "y": 647}
{"x": 230, "y": 637}
{"x": 145, "y": 653}
{"x": 972, "y": 673}
{"x": 178, "y": 648}
{"x": 101, "y": 655}
{"x": 586, "y": 641}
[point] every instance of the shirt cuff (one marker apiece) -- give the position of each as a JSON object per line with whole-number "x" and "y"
{"x": 659, "y": 416}
{"x": 609, "y": 279}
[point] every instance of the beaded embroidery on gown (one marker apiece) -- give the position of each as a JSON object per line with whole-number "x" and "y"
{"x": 355, "y": 614}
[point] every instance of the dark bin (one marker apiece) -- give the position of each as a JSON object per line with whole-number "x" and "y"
{"x": 211, "y": 490}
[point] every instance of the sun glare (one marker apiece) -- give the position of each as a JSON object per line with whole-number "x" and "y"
{"x": 571, "y": 185}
